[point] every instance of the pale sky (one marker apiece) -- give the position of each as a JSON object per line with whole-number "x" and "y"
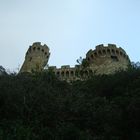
{"x": 69, "y": 27}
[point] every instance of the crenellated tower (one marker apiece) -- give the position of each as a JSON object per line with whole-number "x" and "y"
{"x": 107, "y": 59}
{"x": 102, "y": 60}
{"x": 36, "y": 58}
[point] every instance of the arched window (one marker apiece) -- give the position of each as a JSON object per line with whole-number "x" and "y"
{"x": 45, "y": 53}
{"x": 38, "y": 48}
{"x": 58, "y": 73}
{"x": 113, "y": 51}
{"x": 104, "y": 52}
{"x": 99, "y": 52}
{"x": 92, "y": 56}
{"x": 42, "y": 50}
{"x": 114, "y": 58}
{"x": 72, "y": 73}
{"x": 117, "y": 52}
{"x": 62, "y": 73}
{"x": 67, "y": 73}
{"x": 108, "y": 51}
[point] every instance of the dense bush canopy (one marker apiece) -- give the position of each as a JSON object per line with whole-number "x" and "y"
{"x": 40, "y": 107}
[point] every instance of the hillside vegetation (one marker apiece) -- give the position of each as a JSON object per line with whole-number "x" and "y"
{"x": 40, "y": 107}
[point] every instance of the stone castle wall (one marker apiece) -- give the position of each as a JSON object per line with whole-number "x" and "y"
{"x": 36, "y": 58}
{"x": 107, "y": 59}
{"x": 102, "y": 60}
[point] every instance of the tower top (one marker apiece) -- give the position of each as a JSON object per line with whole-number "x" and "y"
{"x": 36, "y": 57}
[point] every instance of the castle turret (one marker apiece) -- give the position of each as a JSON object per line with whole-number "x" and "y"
{"x": 107, "y": 59}
{"x": 102, "y": 60}
{"x": 36, "y": 58}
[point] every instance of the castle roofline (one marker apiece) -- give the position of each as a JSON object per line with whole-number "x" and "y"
{"x": 101, "y": 46}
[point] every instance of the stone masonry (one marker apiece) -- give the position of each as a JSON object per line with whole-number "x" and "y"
{"x": 102, "y": 60}
{"x": 36, "y": 58}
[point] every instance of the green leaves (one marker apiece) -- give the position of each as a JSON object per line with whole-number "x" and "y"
{"x": 39, "y": 106}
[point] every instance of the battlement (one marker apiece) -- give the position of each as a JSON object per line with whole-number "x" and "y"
{"x": 109, "y": 46}
{"x": 104, "y": 59}
{"x": 37, "y": 49}
{"x": 36, "y": 44}
{"x": 36, "y": 57}
{"x": 65, "y": 67}
{"x": 52, "y": 68}
{"x": 109, "y": 51}
{"x": 101, "y": 46}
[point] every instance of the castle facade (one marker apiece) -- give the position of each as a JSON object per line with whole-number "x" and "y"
{"x": 102, "y": 60}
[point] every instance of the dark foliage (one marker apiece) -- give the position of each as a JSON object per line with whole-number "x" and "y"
{"x": 40, "y": 107}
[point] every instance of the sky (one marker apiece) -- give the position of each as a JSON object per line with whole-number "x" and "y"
{"x": 69, "y": 27}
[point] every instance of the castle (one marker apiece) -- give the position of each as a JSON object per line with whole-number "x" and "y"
{"x": 102, "y": 60}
